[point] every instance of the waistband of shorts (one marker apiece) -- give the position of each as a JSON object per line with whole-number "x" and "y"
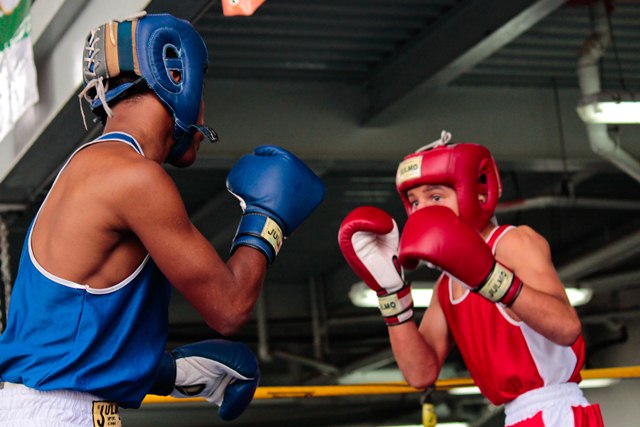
{"x": 21, "y": 389}
{"x": 530, "y": 403}
{"x": 6, "y": 385}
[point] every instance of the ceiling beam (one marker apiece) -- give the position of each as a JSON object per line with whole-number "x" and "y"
{"x": 458, "y": 41}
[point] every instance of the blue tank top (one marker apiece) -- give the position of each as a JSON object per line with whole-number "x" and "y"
{"x": 63, "y": 335}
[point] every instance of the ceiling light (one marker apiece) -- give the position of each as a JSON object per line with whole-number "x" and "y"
{"x": 372, "y": 376}
{"x": 599, "y": 382}
{"x": 361, "y": 296}
{"x": 614, "y": 108}
{"x": 579, "y": 296}
{"x": 465, "y": 391}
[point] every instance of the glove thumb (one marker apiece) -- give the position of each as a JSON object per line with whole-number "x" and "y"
{"x": 237, "y": 397}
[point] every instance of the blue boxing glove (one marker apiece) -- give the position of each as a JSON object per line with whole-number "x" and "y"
{"x": 277, "y": 192}
{"x": 223, "y": 372}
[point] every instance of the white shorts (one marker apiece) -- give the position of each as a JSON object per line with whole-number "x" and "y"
{"x": 559, "y": 405}
{"x": 21, "y": 406}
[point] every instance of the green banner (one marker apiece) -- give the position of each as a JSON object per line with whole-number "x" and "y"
{"x": 14, "y": 22}
{"x": 18, "y": 75}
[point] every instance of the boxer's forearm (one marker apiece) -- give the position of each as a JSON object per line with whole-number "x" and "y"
{"x": 552, "y": 317}
{"x": 416, "y": 359}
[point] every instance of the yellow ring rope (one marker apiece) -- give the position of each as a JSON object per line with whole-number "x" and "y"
{"x": 295, "y": 392}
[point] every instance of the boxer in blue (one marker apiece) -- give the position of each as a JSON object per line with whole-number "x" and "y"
{"x": 87, "y": 324}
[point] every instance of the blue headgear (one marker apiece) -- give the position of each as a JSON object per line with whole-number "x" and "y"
{"x": 150, "y": 46}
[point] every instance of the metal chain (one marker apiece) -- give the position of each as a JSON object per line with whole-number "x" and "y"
{"x": 5, "y": 271}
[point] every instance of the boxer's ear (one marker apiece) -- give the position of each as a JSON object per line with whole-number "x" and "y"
{"x": 176, "y": 76}
{"x": 482, "y": 189}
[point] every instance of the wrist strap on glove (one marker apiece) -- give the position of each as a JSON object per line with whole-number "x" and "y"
{"x": 502, "y": 285}
{"x": 396, "y": 307}
{"x": 259, "y": 231}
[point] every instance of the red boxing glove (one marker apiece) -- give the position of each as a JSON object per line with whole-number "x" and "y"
{"x": 369, "y": 240}
{"x": 436, "y": 235}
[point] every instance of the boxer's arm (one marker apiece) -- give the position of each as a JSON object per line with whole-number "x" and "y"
{"x": 223, "y": 293}
{"x": 420, "y": 352}
{"x": 542, "y": 303}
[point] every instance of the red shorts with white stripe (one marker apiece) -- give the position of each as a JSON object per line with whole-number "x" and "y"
{"x": 561, "y": 405}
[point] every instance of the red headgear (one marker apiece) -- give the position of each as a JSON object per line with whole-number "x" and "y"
{"x": 467, "y": 168}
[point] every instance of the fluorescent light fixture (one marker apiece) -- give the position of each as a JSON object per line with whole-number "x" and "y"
{"x": 372, "y": 376}
{"x": 361, "y": 296}
{"x": 579, "y": 296}
{"x": 599, "y": 382}
{"x": 465, "y": 391}
{"x": 614, "y": 108}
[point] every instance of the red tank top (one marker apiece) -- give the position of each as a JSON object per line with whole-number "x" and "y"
{"x": 505, "y": 357}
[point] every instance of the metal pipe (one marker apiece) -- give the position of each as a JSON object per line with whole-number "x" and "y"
{"x": 599, "y": 134}
{"x": 618, "y": 250}
{"x": 12, "y": 207}
{"x": 612, "y": 282}
{"x": 263, "y": 336}
{"x": 325, "y": 368}
{"x": 566, "y": 202}
{"x": 315, "y": 318}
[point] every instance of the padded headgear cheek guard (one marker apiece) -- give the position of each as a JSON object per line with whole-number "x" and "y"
{"x": 152, "y": 47}
{"x": 466, "y": 167}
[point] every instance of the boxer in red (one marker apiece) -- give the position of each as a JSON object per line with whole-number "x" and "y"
{"x": 499, "y": 297}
